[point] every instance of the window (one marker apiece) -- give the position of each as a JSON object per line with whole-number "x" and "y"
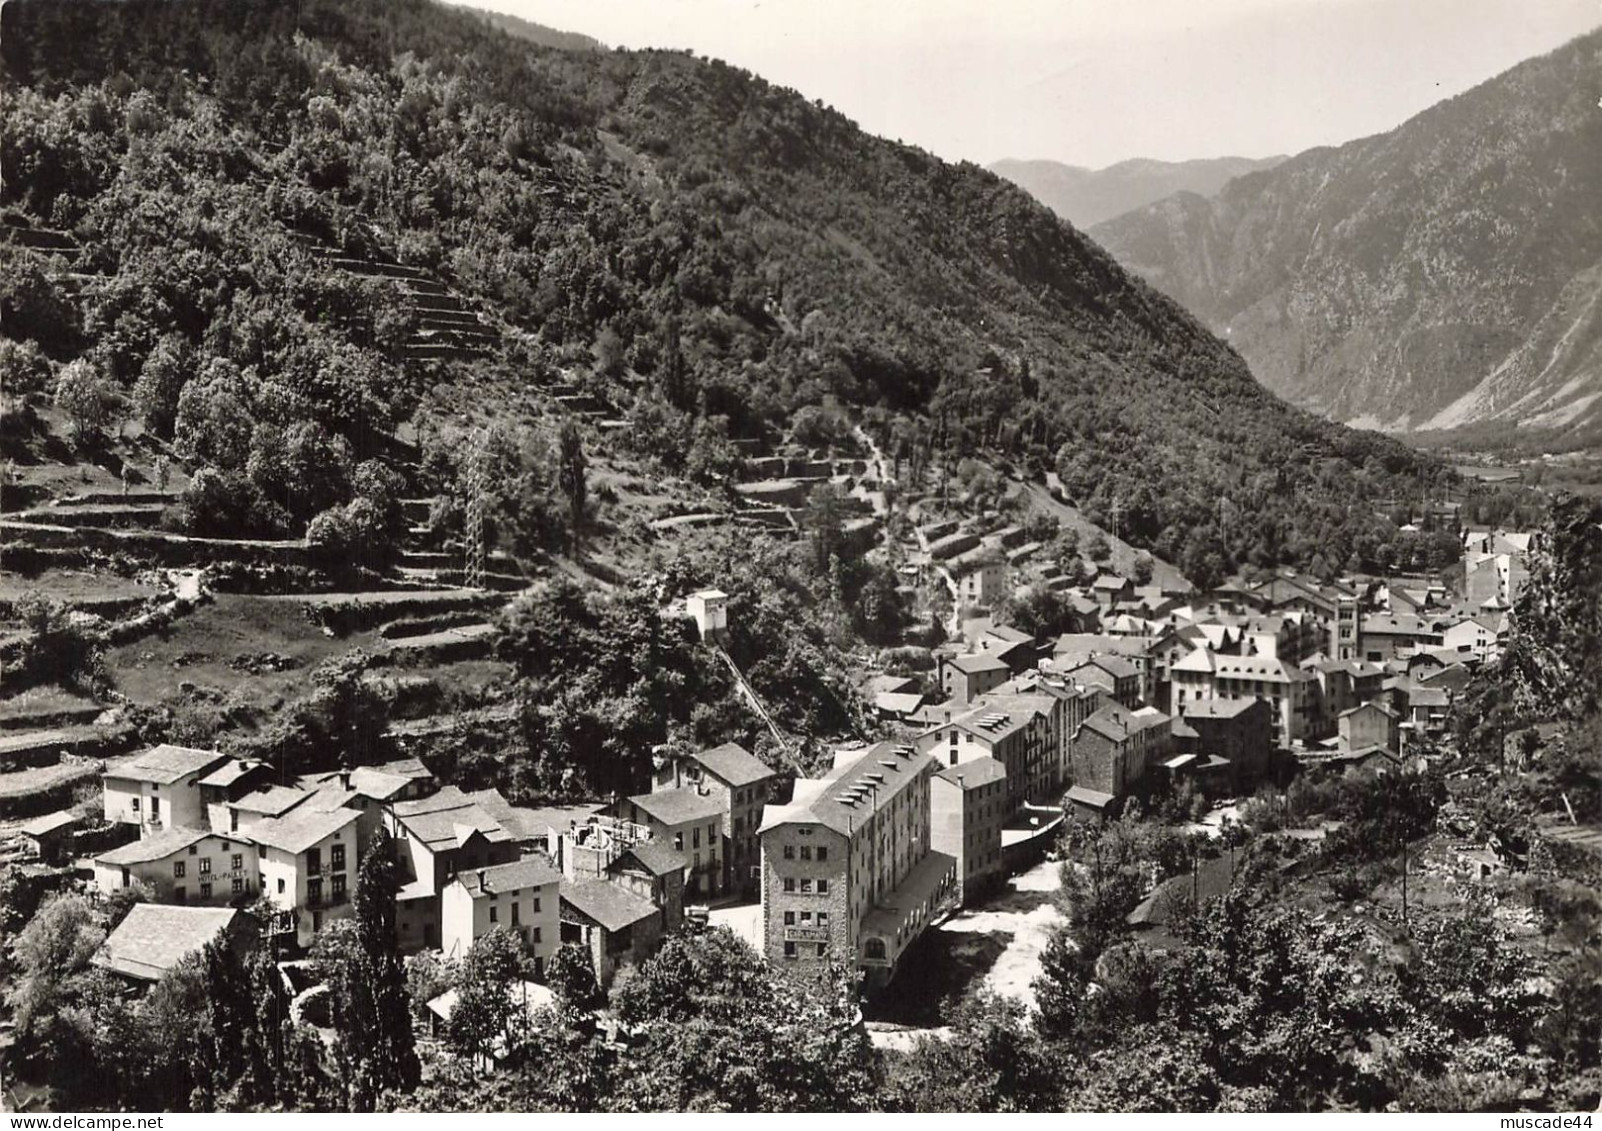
{"x": 806, "y": 887}
{"x": 696, "y": 863}
{"x": 789, "y": 885}
{"x": 314, "y": 860}
{"x": 821, "y": 948}
{"x": 823, "y": 887}
{"x": 205, "y": 866}
{"x": 823, "y": 918}
{"x": 336, "y": 857}
{"x": 495, "y": 914}
{"x": 194, "y": 849}
{"x": 238, "y": 885}
{"x": 133, "y": 803}
{"x": 678, "y": 842}
{"x": 739, "y": 824}
{"x": 314, "y": 891}
{"x": 536, "y": 905}
{"x": 178, "y": 869}
{"x": 155, "y": 811}
{"x": 789, "y": 852}
{"x": 806, "y": 852}
{"x": 823, "y": 854}
{"x": 695, "y": 833}
{"x": 789, "y": 918}
{"x": 205, "y": 891}
{"x": 339, "y": 886}
{"x": 180, "y": 894}
{"x": 806, "y": 916}
{"x": 280, "y": 885}
{"x": 789, "y": 950}
{"x": 239, "y": 861}
{"x": 517, "y": 914}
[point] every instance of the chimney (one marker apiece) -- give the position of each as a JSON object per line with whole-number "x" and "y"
{"x": 344, "y": 779}
{"x": 481, "y": 883}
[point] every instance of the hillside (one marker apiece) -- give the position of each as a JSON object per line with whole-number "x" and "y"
{"x": 1442, "y": 274}
{"x": 1086, "y": 197}
{"x": 676, "y": 239}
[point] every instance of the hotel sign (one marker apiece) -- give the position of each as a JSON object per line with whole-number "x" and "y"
{"x": 806, "y": 934}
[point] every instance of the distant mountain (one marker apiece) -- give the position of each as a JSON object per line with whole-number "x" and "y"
{"x": 1444, "y": 274}
{"x": 1085, "y": 197}
{"x": 536, "y": 33}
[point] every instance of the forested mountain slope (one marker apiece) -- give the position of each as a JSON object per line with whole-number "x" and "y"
{"x": 1443, "y": 274}
{"x": 1085, "y": 197}
{"x": 701, "y": 244}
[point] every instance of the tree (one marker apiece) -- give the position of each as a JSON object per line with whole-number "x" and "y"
{"x": 86, "y": 399}
{"x": 55, "y": 945}
{"x": 161, "y": 383}
{"x": 485, "y": 1005}
{"x": 570, "y": 476}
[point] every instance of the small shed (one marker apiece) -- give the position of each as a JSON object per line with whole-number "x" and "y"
{"x": 47, "y": 836}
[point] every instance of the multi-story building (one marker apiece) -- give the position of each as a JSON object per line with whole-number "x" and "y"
{"x": 436, "y": 837}
{"x": 1372, "y": 724}
{"x": 1398, "y": 636}
{"x": 1205, "y": 674}
{"x": 159, "y": 788}
{"x": 1073, "y": 650}
{"x": 1117, "y": 677}
{"x": 308, "y": 868}
{"x": 980, "y": 576}
{"x": 183, "y": 865}
{"x": 1238, "y": 730}
{"x": 964, "y": 678}
{"x": 688, "y": 819}
{"x": 1016, "y": 733}
{"x": 1335, "y": 605}
{"x": 1115, "y": 747}
{"x": 745, "y": 784}
{"x": 967, "y": 808}
{"x": 848, "y": 868}
{"x": 522, "y": 896}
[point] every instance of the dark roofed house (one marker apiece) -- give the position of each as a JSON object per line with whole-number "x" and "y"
{"x": 966, "y": 677}
{"x": 743, "y": 783}
{"x": 155, "y": 937}
{"x": 47, "y": 835}
{"x": 690, "y": 819}
{"x": 1115, "y": 747}
{"x": 617, "y": 926}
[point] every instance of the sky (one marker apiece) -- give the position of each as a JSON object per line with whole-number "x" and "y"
{"x": 1092, "y": 82}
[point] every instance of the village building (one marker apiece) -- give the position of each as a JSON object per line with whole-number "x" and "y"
{"x": 434, "y": 838}
{"x": 966, "y": 677}
{"x": 688, "y": 819}
{"x": 981, "y": 578}
{"x": 259, "y": 805}
{"x": 967, "y": 809}
{"x": 1114, "y": 748}
{"x": 848, "y": 869}
{"x": 1372, "y": 724}
{"x": 184, "y": 865}
{"x": 616, "y": 926}
{"x": 744, "y": 784}
{"x": 48, "y": 837}
{"x": 154, "y": 938}
{"x": 1073, "y": 650}
{"x": 1398, "y": 636}
{"x": 522, "y": 896}
{"x": 1336, "y": 606}
{"x": 308, "y": 868}
{"x": 228, "y": 782}
{"x": 654, "y": 872}
{"x": 1019, "y": 738}
{"x": 1238, "y": 731}
{"x": 159, "y": 788}
{"x": 1205, "y": 674}
{"x": 1480, "y": 637}
{"x": 1117, "y": 677}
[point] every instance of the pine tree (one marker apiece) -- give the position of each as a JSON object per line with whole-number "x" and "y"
{"x": 394, "y": 1049}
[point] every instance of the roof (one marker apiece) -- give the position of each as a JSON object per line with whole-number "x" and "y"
{"x": 1398, "y": 626}
{"x": 529, "y": 996}
{"x": 857, "y": 789}
{"x": 1115, "y": 666}
{"x": 530, "y": 872}
{"x": 974, "y": 773}
{"x": 449, "y": 818}
{"x": 1010, "y": 634}
{"x": 155, "y": 937}
{"x": 885, "y": 684}
{"x": 406, "y": 768}
{"x": 922, "y": 881}
{"x": 231, "y": 771}
{"x": 900, "y": 703}
{"x": 164, "y": 764}
{"x": 271, "y": 801}
{"x": 1260, "y": 668}
{"x": 992, "y": 722}
{"x": 972, "y": 662}
{"x": 1209, "y": 879}
{"x": 51, "y": 822}
{"x": 679, "y": 806}
{"x": 1429, "y": 697}
{"x": 611, "y": 905}
{"x": 300, "y": 830}
{"x": 158, "y": 846}
{"x": 1109, "y": 581}
{"x": 1118, "y": 724}
{"x": 655, "y": 857}
{"x": 1092, "y": 797}
{"x": 1089, "y": 644}
{"x": 1371, "y": 705}
{"x": 735, "y": 765}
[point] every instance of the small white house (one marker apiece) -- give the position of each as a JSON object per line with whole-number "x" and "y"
{"x": 710, "y": 610}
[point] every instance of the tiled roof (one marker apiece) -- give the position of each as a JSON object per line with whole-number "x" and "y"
{"x": 50, "y": 822}
{"x": 164, "y": 764}
{"x": 859, "y": 788}
{"x": 155, "y": 937}
{"x": 611, "y": 905}
{"x": 231, "y": 771}
{"x": 972, "y": 662}
{"x": 300, "y": 830}
{"x": 974, "y": 773}
{"x": 157, "y": 846}
{"x": 271, "y": 801}
{"x": 679, "y": 806}
{"x": 529, "y": 872}
{"x": 655, "y": 857}
{"x": 734, "y": 765}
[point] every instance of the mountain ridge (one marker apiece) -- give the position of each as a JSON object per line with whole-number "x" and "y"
{"x": 1085, "y": 197}
{"x": 1437, "y": 275}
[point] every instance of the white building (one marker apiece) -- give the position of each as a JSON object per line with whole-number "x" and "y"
{"x": 159, "y": 788}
